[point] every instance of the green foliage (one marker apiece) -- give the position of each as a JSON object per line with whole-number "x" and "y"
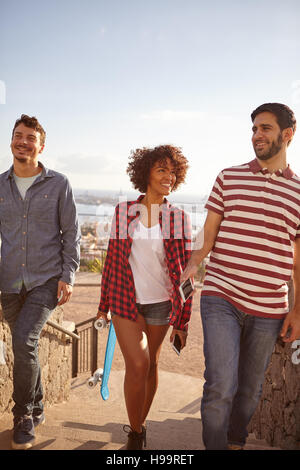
{"x": 94, "y": 265}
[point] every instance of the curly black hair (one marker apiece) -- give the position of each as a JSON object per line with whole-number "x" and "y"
{"x": 142, "y": 160}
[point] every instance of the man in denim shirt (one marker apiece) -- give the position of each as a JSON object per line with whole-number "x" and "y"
{"x": 39, "y": 256}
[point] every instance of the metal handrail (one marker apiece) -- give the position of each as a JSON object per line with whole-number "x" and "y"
{"x": 85, "y": 351}
{"x": 62, "y": 329}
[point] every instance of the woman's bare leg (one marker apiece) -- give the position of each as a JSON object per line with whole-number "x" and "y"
{"x": 155, "y": 335}
{"x": 133, "y": 343}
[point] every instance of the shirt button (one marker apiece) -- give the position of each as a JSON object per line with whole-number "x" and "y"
{"x": 24, "y": 233}
{"x": 23, "y": 248}
{"x": 24, "y": 216}
{"x": 23, "y": 264}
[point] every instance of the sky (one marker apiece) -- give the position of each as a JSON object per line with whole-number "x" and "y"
{"x": 105, "y": 77}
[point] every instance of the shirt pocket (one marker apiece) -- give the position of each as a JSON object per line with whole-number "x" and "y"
{"x": 7, "y": 214}
{"x": 43, "y": 209}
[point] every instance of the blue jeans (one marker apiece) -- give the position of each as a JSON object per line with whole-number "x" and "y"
{"x": 26, "y": 314}
{"x": 237, "y": 350}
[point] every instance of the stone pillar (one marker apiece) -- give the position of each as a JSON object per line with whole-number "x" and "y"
{"x": 277, "y": 418}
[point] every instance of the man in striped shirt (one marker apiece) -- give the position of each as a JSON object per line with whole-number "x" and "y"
{"x": 252, "y": 230}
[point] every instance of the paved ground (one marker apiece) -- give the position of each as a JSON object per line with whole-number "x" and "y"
{"x": 86, "y": 422}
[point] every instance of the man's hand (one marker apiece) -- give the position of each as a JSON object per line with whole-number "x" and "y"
{"x": 291, "y": 327}
{"x": 189, "y": 272}
{"x": 64, "y": 292}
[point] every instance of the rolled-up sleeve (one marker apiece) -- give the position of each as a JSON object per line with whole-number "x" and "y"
{"x": 215, "y": 201}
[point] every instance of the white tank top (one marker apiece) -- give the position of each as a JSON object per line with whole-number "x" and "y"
{"x": 149, "y": 266}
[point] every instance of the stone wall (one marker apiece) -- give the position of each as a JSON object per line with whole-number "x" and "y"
{"x": 277, "y": 418}
{"x": 55, "y": 353}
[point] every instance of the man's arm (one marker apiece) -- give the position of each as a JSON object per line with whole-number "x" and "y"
{"x": 204, "y": 243}
{"x": 70, "y": 242}
{"x": 291, "y": 325}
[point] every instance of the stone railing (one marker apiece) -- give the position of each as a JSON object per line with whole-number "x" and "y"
{"x": 55, "y": 354}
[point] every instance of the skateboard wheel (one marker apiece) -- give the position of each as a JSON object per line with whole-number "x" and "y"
{"x": 100, "y": 324}
{"x": 92, "y": 381}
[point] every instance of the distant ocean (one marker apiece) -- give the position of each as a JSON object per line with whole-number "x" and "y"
{"x": 192, "y": 204}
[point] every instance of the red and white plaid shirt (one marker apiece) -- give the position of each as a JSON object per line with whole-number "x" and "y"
{"x": 117, "y": 285}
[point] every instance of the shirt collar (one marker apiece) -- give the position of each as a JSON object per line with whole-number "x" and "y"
{"x": 256, "y": 168}
{"x": 165, "y": 204}
{"x": 46, "y": 173}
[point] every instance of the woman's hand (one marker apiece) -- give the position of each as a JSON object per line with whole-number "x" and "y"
{"x": 182, "y": 336}
{"x": 104, "y": 315}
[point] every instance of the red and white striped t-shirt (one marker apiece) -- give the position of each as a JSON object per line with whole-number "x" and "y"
{"x": 252, "y": 258}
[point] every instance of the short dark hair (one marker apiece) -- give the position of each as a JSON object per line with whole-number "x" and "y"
{"x": 142, "y": 160}
{"x": 284, "y": 115}
{"x": 33, "y": 123}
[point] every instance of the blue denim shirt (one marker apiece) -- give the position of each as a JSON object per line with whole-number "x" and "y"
{"x": 40, "y": 236}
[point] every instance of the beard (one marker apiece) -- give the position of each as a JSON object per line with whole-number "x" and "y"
{"x": 21, "y": 159}
{"x": 273, "y": 150}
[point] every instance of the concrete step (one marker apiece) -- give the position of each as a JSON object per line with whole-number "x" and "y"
{"x": 86, "y": 422}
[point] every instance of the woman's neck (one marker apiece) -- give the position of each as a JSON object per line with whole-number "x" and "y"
{"x": 152, "y": 199}
{"x": 152, "y": 203}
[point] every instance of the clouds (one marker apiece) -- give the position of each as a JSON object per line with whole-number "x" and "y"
{"x": 173, "y": 115}
{"x": 209, "y": 141}
{"x": 88, "y": 171}
{"x": 6, "y": 161}
{"x": 82, "y": 163}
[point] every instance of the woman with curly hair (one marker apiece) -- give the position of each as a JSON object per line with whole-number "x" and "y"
{"x": 148, "y": 249}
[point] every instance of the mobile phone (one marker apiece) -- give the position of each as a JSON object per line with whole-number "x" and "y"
{"x": 177, "y": 344}
{"x": 186, "y": 289}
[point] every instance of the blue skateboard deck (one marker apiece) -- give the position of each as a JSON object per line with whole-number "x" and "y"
{"x": 109, "y": 354}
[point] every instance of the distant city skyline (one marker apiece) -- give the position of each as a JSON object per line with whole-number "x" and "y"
{"x": 106, "y": 77}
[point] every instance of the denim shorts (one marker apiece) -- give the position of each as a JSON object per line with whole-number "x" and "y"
{"x": 155, "y": 314}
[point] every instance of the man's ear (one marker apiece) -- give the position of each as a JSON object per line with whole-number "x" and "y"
{"x": 287, "y": 134}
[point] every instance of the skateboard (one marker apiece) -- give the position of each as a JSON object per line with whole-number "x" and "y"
{"x": 102, "y": 375}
